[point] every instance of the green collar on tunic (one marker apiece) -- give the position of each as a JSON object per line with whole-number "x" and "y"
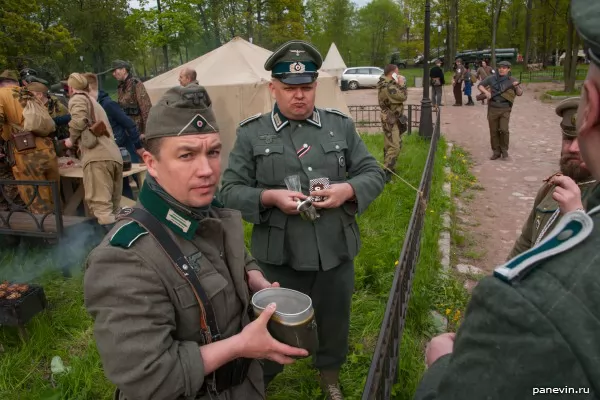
{"x": 280, "y": 121}
{"x": 180, "y": 223}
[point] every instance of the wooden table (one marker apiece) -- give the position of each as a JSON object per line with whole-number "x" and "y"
{"x": 72, "y": 177}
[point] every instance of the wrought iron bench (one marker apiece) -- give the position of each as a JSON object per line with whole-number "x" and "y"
{"x": 19, "y": 221}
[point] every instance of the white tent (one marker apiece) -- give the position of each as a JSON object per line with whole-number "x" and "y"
{"x": 334, "y": 63}
{"x": 238, "y": 86}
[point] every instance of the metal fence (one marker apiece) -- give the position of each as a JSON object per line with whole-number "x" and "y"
{"x": 8, "y": 218}
{"x": 551, "y": 74}
{"x": 383, "y": 373}
{"x": 370, "y": 116}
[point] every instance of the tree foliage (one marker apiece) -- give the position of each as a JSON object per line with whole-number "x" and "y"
{"x": 55, "y": 34}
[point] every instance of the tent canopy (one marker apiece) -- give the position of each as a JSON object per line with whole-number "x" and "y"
{"x": 334, "y": 63}
{"x": 238, "y": 86}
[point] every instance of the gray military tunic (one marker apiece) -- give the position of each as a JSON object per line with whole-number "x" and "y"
{"x": 532, "y": 326}
{"x": 269, "y": 148}
{"x": 147, "y": 319}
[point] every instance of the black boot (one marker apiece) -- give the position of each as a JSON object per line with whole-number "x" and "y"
{"x": 504, "y": 154}
{"x": 470, "y": 103}
{"x": 495, "y": 156}
{"x": 388, "y": 176}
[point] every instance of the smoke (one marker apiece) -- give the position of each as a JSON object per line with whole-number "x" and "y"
{"x": 32, "y": 258}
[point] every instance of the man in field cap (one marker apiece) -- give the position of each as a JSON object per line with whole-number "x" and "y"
{"x": 172, "y": 280}
{"x": 562, "y": 192}
{"x": 531, "y": 330}
{"x": 334, "y": 168}
{"x": 132, "y": 95}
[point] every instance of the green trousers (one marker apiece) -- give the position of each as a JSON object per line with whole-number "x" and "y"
{"x": 331, "y": 294}
{"x": 498, "y": 119}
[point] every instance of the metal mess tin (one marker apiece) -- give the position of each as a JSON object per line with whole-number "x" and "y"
{"x": 293, "y": 322}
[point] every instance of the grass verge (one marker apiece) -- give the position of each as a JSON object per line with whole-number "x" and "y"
{"x": 65, "y": 329}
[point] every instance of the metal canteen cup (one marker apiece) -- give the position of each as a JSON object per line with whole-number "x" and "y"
{"x": 308, "y": 212}
{"x": 293, "y": 322}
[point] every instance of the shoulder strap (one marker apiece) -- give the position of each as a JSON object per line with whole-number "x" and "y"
{"x": 208, "y": 322}
{"x": 92, "y": 112}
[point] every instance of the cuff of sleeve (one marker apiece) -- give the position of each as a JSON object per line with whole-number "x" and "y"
{"x": 193, "y": 367}
{"x": 427, "y": 389}
{"x": 253, "y": 267}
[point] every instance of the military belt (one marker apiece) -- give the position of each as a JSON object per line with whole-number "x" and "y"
{"x": 131, "y": 110}
{"x": 230, "y": 374}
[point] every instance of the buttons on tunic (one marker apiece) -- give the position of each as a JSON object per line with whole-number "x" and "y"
{"x": 337, "y": 146}
{"x": 309, "y": 168}
{"x": 299, "y": 125}
{"x": 305, "y": 145}
{"x": 267, "y": 151}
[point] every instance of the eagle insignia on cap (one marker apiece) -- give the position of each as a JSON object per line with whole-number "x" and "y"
{"x": 297, "y": 52}
{"x": 297, "y": 67}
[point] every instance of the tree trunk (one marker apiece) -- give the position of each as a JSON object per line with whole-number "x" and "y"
{"x": 449, "y": 57}
{"x": 249, "y": 20}
{"x": 497, "y": 4}
{"x": 456, "y": 20}
{"x": 545, "y": 33}
{"x": 205, "y": 26}
{"x": 569, "y": 85}
{"x": 527, "y": 33}
{"x": 180, "y": 55}
{"x": 160, "y": 29}
{"x": 452, "y": 35}
{"x": 552, "y": 39}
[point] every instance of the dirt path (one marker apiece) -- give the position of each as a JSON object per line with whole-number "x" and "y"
{"x": 494, "y": 216}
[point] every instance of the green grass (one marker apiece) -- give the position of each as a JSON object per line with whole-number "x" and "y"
{"x": 65, "y": 329}
{"x": 563, "y": 93}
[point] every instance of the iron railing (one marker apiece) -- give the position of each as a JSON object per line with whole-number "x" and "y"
{"x": 15, "y": 210}
{"x": 551, "y": 74}
{"x": 368, "y": 116}
{"x": 383, "y": 373}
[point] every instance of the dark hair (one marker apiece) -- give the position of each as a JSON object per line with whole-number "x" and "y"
{"x": 153, "y": 146}
{"x": 389, "y": 69}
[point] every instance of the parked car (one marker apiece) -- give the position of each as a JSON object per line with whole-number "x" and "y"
{"x": 361, "y": 77}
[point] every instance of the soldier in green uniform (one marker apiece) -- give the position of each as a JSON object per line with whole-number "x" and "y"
{"x": 133, "y": 98}
{"x": 561, "y": 193}
{"x": 531, "y": 330}
{"x": 169, "y": 286}
{"x": 503, "y": 90}
{"x": 391, "y": 94}
{"x": 322, "y": 148}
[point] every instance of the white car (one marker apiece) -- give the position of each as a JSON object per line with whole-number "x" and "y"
{"x": 358, "y": 77}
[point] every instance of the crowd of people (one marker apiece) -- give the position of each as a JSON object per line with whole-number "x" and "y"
{"x": 75, "y": 106}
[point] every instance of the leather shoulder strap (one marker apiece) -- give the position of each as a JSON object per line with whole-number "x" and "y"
{"x": 92, "y": 111}
{"x": 208, "y": 322}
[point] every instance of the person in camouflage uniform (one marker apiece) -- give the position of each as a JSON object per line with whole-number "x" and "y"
{"x": 133, "y": 98}
{"x": 531, "y": 330}
{"x": 561, "y": 193}
{"x": 392, "y": 93}
{"x": 36, "y": 164}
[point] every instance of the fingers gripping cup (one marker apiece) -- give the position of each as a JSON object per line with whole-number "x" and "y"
{"x": 294, "y": 320}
